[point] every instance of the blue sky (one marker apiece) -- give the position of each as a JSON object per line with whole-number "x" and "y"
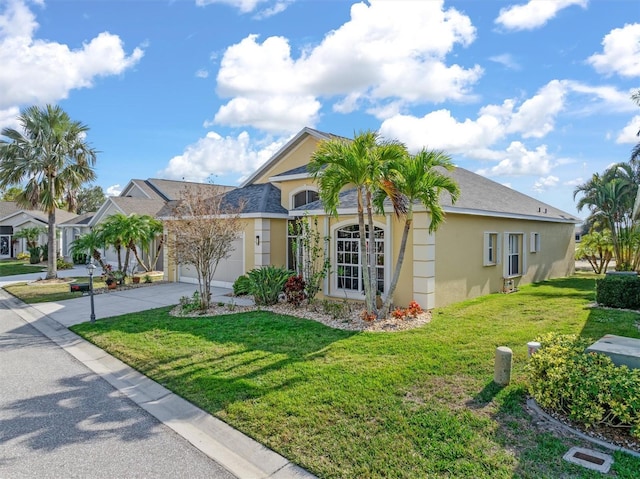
{"x": 534, "y": 95}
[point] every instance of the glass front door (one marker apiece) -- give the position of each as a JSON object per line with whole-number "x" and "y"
{"x": 5, "y": 246}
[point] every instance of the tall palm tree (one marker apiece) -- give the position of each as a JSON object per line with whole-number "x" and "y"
{"x": 418, "y": 181}
{"x": 51, "y": 155}
{"x": 338, "y": 163}
{"x": 610, "y": 197}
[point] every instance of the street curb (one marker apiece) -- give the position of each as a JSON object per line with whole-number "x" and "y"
{"x": 233, "y": 450}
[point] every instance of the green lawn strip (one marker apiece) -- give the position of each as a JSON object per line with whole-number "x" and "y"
{"x": 14, "y": 267}
{"x": 419, "y": 403}
{"x": 31, "y": 293}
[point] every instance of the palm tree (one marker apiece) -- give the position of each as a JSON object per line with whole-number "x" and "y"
{"x": 52, "y": 156}
{"x": 338, "y": 163}
{"x": 127, "y": 232}
{"x": 417, "y": 180}
{"x": 89, "y": 243}
{"x": 611, "y": 198}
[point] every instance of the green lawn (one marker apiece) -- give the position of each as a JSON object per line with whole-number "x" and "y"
{"x": 11, "y": 267}
{"x": 31, "y": 293}
{"x": 412, "y": 404}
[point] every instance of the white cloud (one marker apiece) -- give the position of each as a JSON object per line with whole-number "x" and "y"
{"x": 389, "y": 59}
{"x": 536, "y": 116}
{"x": 609, "y": 97}
{"x": 545, "y": 183}
{"x": 574, "y": 182}
{"x": 202, "y": 73}
{"x": 114, "y": 190}
{"x": 518, "y": 161}
{"x": 629, "y": 133}
{"x": 39, "y": 71}
{"x": 534, "y": 14}
{"x": 245, "y": 6}
{"x": 621, "y": 52}
{"x": 9, "y": 118}
{"x": 217, "y": 155}
{"x": 507, "y": 61}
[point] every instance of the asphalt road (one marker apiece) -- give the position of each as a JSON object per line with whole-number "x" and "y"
{"x": 59, "y": 420}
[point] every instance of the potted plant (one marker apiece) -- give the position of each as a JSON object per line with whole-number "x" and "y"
{"x": 135, "y": 279}
{"x": 109, "y": 276}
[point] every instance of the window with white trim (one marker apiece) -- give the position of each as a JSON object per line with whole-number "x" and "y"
{"x": 305, "y": 197}
{"x": 534, "y": 246}
{"x": 491, "y": 256}
{"x": 348, "y": 269}
{"x": 514, "y": 254}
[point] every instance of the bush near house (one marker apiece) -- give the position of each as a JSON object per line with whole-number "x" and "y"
{"x": 618, "y": 291}
{"x": 242, "y": 286}
{"x": 266, "y": 283}
{"x": 586, "y": 387}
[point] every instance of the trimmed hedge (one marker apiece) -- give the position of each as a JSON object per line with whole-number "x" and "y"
{"x": 618, "y": 291}
{"x": 586, "y": 387}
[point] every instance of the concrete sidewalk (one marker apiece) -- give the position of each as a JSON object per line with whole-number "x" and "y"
{"x": 239, "y": 454}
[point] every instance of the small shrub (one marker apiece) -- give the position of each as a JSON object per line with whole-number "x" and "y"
{"x": 190, "y": 304}
{"x": 23, "y": 256}
{"x": 335, "y": 309}
{"x": 367, "y": 316}
{"x": 62, "y": 264}
{"x": 242, "y": 286}
{"x": 618, "y": 291}
{"x": 587, "y": 387}
{"x": 147, "y": 279}
{"x": 294, "y": 290}
{"x": 267, "y": 283}
{"x": 44, "y": 252}
{"x": 412, "y": 311}
{"x": 80, "y": 258}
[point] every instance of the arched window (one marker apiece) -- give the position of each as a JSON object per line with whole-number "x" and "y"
{"x": 348, "y": 268}
{"x": 304, "y": 197}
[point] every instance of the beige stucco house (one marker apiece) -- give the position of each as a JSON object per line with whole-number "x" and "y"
{"x": 494, "y": 238}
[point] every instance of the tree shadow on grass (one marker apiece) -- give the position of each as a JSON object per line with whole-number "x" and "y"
{"x": 216, "y": 361}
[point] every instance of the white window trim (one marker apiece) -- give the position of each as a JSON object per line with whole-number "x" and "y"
{"x": 335, "y": 291}
{"x": 534, "y": 243}
{"x": 505, "y": 256}
{"x": 297, "y": 190}
{"x": 497, "y": 254}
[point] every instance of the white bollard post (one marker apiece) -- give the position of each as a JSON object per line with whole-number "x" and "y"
{"x": 502, "y": 372}
{"x": 532, "y": 347}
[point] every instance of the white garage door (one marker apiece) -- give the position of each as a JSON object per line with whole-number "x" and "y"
{"x": 227, "y": 272}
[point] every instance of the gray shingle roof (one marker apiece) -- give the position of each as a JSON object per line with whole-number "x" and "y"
{"x": 82, "y": 219}
{"x": 257, "y": 198}
{"x": 172, "y": 189}
{"x": 141, "y": 206}
{"x": 478, "y": 195}
{"x": 294, "y": 171}
{"x": 8, "y": 208}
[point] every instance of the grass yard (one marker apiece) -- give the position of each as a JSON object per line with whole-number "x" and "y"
{"x": 11, "y": 267}
{"x": 30, "y": 293}
{"x": 412, "y": 404}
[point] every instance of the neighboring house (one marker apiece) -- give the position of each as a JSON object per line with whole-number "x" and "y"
{"x": 493, "y": 239}
{"x": 144, "y": 197}
{"x": 71, "y": 230}
{"x": 13, "y": 218}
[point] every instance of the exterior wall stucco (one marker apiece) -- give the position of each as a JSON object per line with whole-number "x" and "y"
{"x": 459, "y": 252}
{"x": 279, "y": 242}
{"x": 299, "y": 156}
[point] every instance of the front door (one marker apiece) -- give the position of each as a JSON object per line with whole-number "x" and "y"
{"x": 5, "y": 246}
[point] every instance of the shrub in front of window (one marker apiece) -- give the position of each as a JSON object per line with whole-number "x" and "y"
{"x": 267, "y": 283}
{"x": 618, "y": 291}
{"x": 586, "y": 387}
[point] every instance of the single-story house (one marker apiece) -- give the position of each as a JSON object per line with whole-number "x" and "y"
{"x": 142, "y": 197}
{"x": 493, "y": 239}
{"x": 14, "y": 217}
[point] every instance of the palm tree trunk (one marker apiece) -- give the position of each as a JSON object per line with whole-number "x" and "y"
{"x": 371, "y": 255}
{"x": 52, "y": 265}
{"x": 384, "y": 312}
{"x": 368, "y": 300}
